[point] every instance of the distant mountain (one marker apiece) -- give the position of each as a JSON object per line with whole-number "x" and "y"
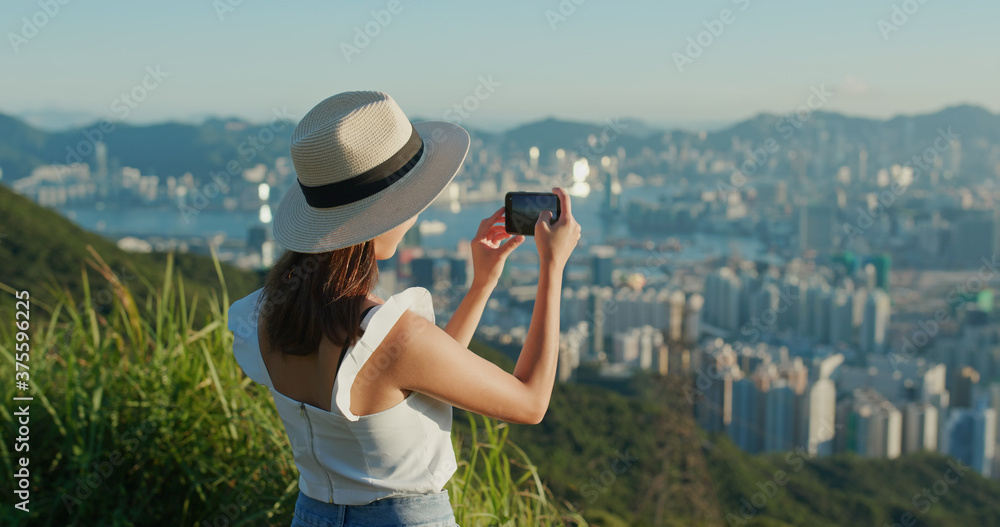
{"x": 552, "y": 134}
{"x": 175, "y": 148}
{"x": 39, "y": 248}
{"x": 163, "y": 149}
{"x": 21, "y": 148}
{"x": 970, "y": 123}
{"x": 51, "y": 119}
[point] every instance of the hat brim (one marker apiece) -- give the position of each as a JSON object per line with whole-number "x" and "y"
{"x": 301, "y": 228}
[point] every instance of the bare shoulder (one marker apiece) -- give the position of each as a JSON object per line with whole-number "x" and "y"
{"x": 413, "y": 331}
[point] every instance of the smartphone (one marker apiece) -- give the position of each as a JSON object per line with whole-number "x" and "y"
{"x": 522, "y": 210}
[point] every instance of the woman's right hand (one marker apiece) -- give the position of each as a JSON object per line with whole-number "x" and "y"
{"x": 556, "y": 241}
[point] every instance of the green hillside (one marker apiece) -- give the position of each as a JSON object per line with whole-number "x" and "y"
{"x": 40, "y": 249}
{"x": 620, "y": 460}
{"x": 915, "y": 490}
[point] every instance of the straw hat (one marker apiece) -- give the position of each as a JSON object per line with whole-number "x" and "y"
{"x": 363, "y": 169}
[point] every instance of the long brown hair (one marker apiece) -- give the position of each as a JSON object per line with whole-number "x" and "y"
{"x": 314, "y": 295}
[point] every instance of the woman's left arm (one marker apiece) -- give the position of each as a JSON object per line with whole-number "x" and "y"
{"x": 489, "y": 252}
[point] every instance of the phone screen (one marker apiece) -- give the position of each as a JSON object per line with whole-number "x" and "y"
{"x": 523, "y": 209}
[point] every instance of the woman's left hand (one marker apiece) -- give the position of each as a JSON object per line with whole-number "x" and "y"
{"x": 489, "y": 251}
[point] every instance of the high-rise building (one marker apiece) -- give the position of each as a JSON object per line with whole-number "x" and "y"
{"x": 970, "y": 437}
{"x": 604, "y": 306}
{"x": 934, "y": 382}
{"x": 819, "y": 306}
{"x": 863, "y": 165}
{"x": 859, "y": 298}
{"x": 692, "y": 319}
{"x": 675, "y": 319}
{"x": 872, "y": 426}
{"x": 715, "y": 406}
{"x": 576, "y": 306}
{"x": 920, "y": 427}
{"x": 779, "y": 415}
{"x": 772, "y": 193}
{"x": 612, "y": 187}
{"x": 841, "y": 317}
{"x": 805, "y": 316}
{"x": 747, "y": 418}
{"x": 882, "y": 263}
{"x": 764, "y": 307}
{"x": 816, "y": 227}
{"x": 257, "y": 235}
{"x": 816, "y": 416}
{"x": 571, "y": 347}
{"x": 875, "y": 322}
{"x": 788, "y": 319}
{"x": 601, "y": 267}
{"x": 650, "y": 343}
{"x": 422, "y": 272}
{"x": 974, "y": 234}
{"x": 458, "y": 272}
{"x": 965, "y": 384}
{"x": 626, "y": 346}
{"x": 723, "y": 299}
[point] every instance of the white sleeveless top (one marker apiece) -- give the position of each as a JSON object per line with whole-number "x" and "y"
{"x": 348, "y": 459}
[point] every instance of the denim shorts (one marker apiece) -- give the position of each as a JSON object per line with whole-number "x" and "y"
{"x": 429, "y": 510}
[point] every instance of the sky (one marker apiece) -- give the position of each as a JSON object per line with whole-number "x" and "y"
{"x": 494, "y": 65}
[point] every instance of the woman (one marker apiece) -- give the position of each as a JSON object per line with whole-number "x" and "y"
{"x": 365, "y": 386}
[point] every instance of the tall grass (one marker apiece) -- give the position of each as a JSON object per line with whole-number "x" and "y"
{"x": 486, "y": 490}
{"x": 141, "y": 416}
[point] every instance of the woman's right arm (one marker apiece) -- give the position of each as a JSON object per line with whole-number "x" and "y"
{"x": 424, "y": 358}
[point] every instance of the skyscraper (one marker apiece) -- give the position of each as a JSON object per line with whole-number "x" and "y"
{"x": 692, "y": 319}
{"x": 747, "y": 418}
{"x": 604, "y": 305}
{"x": 458, "y": 271}
{"x": 873, "y": 426}
{"x": 819, "y": 305}
{"x": 422, "y": 272}
{"x": 675, "y": 319}
{"x": 883, "y": 265}
{"x": 715, "y": 408}
{"x": 970, "y": 437}
{"x": 816, "y": 414}
{"x": 974, "y": 234}
{"x": 841, "y": 317}
{"x": 875, "y": 322}
{"x": 626, "y": 346}
{"x": 920, "y": 427}
{"x": 602, "y": 266}
{"x": 816, "y": 227}
{"x": 966, "y": 380}
{"x": 779, "y": 415}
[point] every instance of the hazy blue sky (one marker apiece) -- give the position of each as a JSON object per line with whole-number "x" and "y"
{"x": 606, "y": 59}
